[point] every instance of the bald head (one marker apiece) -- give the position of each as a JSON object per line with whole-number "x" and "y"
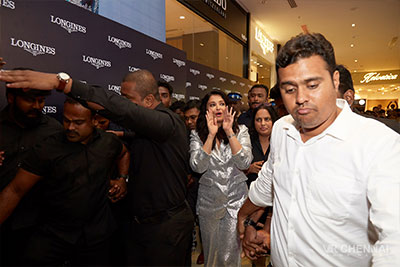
{"x": 144, "y": 83}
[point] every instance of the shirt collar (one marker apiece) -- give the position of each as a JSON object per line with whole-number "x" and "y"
{"x": 338, "y": 129}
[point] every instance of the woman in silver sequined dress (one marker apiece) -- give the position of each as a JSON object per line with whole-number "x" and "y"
{"x": 220, "y": 149}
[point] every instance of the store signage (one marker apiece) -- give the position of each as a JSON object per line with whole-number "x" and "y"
{"x": 265, "y": 43}
{"x": 218, "y": 6}
{"x": 376, "y": 76}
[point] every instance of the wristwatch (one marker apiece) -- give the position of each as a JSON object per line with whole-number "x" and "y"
{"x": 250, "y": 222}
{"x": 124, "y": 176}
{"x": 63, "y": 81}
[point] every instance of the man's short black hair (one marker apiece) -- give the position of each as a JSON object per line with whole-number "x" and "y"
{"x": 166, "y": 85}
{"x": 192, "y": 104}
{"x": 275, "y": 92}
{"x": 305, "y": 46}
{"x": 177, "y": 105}
{"x": 259, "y": 85}
{"x": 346, "y": 82}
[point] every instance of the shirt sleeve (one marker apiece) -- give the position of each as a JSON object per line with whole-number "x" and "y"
{"x": 199, "y": 159}
{"x": 152, "y": 123}
{"x": 242, "y": 159}
{"x": 384, "y": 196}
{"x": 260, "y": 193}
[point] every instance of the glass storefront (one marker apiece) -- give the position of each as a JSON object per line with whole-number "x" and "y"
{"x": 202, "y": 42}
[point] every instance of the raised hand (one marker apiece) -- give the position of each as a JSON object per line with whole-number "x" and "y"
{"x": 29, "y": 79}
{"x": 211, "y": 123}
{"x": 229, "y": 117}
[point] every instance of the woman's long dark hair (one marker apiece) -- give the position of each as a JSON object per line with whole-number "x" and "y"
{"x": 272, "y": 113}
{"x": 201, "y": 125}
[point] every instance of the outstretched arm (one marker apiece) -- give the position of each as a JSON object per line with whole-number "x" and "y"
{"x": 16, "y": 189}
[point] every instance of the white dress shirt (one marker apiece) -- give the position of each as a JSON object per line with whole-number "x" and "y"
{"x": 329, "y": 190}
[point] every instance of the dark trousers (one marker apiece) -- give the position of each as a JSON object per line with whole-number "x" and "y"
{"x": 46, "y": 249}
{"x": 13, "y": 243}
{"x": 161, "y": 244}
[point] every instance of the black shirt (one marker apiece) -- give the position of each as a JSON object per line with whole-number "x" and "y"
{"x": 258, "y": 155}
{"x": 245, "y": 118}
{"x": 17, "y": 142}
{"x": 75, "y": 185}
{"x": 159, "y": 151}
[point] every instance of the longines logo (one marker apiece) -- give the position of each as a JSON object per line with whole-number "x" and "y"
{"x": 114, "y": 88}
{"x": 97, "y": 62}
{"x": 155, "y": 55}
{"x": 49, "y": 109}
{"x": 195, "y": 72}
{"x": 233, "y": 82}
{"x": 34, "y": 49}
{"x": 167, "y": 78}
{"x": 67, "y": 25}
{"x": 188, "y": 84}
{"x": 7, "y": 3}
{"x": 210, "y": 76}
{"x": 242, "y": 84}
{"x": 178, "y": 62}
{"x": 194, "y": 98}
{"x": 202, "y": 87}
{"x": 132, "y": 69}
{"x": 222, "y": 79}
{"x": 120, "y": 43}
{"x": 178, "y": 96}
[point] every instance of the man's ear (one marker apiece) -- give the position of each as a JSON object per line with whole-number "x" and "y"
{"x": 336, "y": 80}
{"x": 149, "y": 100}
{"x": 349, "y": 96}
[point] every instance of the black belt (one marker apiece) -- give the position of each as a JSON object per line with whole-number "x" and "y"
{"x": 161, "y": 216}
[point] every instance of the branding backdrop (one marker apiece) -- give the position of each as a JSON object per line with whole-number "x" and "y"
{"x": 55, "y": 36}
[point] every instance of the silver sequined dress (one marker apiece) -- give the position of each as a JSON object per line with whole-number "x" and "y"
{"x": 222, "y": 191}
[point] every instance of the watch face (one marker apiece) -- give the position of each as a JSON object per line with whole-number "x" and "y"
{"x": 63, "y": 76}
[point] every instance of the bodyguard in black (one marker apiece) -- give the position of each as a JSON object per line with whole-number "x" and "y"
{"x": 74, "y": 168}
{"x": 162, "y": 222}
{"x": 22, "y": 125}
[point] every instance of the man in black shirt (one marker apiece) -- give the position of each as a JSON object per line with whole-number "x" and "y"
{"x": 161, "y": 219}
{"x": 74, "y": 168}
{"x": 22, "y": 125}
{"x": 258, "y": 94}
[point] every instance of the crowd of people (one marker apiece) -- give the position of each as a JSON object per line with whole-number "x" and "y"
{"x": 123, "y": 179}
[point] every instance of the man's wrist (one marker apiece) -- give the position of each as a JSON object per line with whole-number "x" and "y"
{"x": 250, "y": 222}
{"x": 124, "y": 176}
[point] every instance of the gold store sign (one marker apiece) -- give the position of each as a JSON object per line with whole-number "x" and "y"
{"x": 376, "y": 77}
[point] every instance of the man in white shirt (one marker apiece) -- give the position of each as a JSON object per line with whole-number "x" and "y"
{"x": 333, "y": 172}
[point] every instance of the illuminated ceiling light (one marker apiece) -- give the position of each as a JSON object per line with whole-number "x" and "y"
{"x": 361, "y": 102}
{"x": 369, "y": 90}
{"x": 201, "y": 44}
{"x": 262, "y": 77}
{"x": 226, "y": 57}
{"x": 355, "y": 60}
{"x": 355, "y": 70}
{"x": 353, "y": 25}
{"x": 182, "y": 17}
{"x": 261, "y": 66}
{"x": 352, "y": 45}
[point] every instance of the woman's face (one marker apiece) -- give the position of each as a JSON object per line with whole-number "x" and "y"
{"x": 263, "y": 122}
{"x": 216, "y": 106}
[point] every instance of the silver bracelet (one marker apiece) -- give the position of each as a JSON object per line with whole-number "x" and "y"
{"x": 230, "y": 136}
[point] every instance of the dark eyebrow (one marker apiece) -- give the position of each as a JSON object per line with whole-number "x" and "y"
{"x": 314, "y": 79}
{"x": 287, "y": 83}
